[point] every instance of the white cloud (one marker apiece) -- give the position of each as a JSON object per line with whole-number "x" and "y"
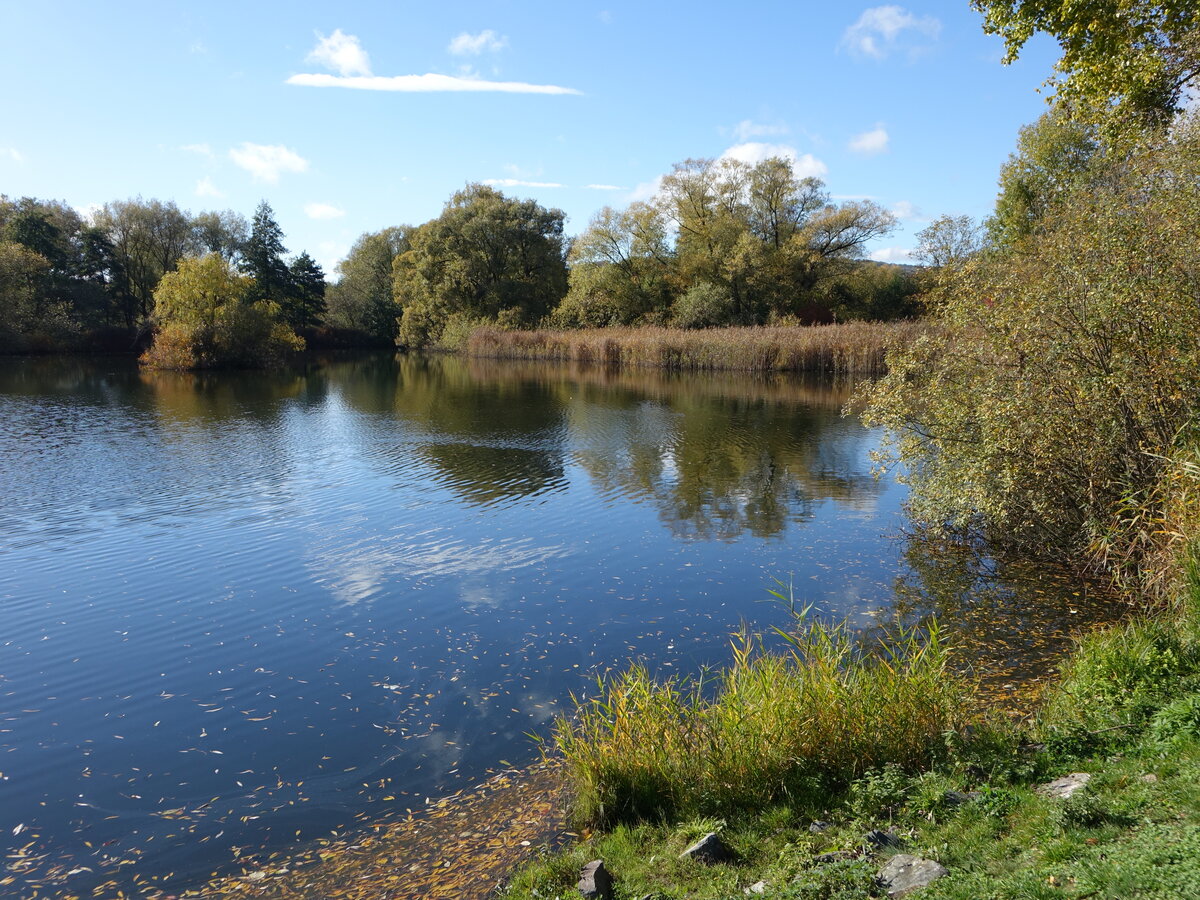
{"x": 605, "y": 187}
{"x": 753, "y": 152}
{"x": 206, "y": 188}
{"x": 746, "y": 129}
{"x": 892, "y": 255}
{"x": 517, "y": 182}
{"x": 647, "y": 190}
{"x": 341, "y": 53}
{"x": 12, "y": 153}
{"x": 198, "y": 149}
{"x": 467, "y": 44}
{"x": 907, "y": 211}
{"x": 267, "y": 162}
{"x": 870, "y": 143}
{"x": 427, "y": 83}
{"x": 323, "y": 211}
{"x": 879, "y": 29}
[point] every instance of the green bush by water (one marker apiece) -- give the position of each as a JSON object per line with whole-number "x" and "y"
{"x": 792, "y": 725}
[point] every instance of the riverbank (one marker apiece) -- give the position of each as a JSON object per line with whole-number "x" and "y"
{"x": 855, "y": 348}
{"x": 981, "y": 805}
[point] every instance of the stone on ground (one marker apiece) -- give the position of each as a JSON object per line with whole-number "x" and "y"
{"x": 904, "y": 874}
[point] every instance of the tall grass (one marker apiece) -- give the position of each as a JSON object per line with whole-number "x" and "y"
{"x": 855, "y": 348}
{"x": 773, "y": 725}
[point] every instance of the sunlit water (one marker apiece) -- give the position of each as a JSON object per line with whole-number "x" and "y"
{"x": 246, "y": 609}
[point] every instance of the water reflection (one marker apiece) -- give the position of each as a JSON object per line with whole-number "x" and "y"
{"x": 280, "y": 602}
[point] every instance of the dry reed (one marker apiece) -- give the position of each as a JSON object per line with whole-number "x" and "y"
{"x": 855, "y": 348}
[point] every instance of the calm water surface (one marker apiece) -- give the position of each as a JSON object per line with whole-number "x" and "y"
{"x": 242, "y": 610}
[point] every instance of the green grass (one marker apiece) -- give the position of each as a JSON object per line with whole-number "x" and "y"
{"x": 659, "y": 764}
{"x": 772, "y": 726}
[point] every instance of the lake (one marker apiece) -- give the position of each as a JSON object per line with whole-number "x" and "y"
{"x": 244, "y": 609}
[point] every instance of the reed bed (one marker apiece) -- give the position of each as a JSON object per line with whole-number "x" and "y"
{"x": 855, "y": 348}
{"x": 796, "y": 726}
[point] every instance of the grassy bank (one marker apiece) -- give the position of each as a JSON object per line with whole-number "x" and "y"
{"x": 856, "y": 348}
{"x": 654, "y": 767}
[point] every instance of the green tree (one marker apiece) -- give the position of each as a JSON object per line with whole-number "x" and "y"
{"x": 23, "y": 301}
{"x": 1138, "y": 56}
{"x": 488, "y": 257}
{"x": 262, "y": 257}
{"x": 1062, "y": 370}
{"x": 307, "y": 296}
{"x": 224, "y": 232}
{"x": 1054, "y": 155}
{"x": 148, "y": 238}
{"x": 621, "y": 268}
{"x": 207, "y": 317}
{"x": 948, "y": 241}
{"x": 362, "y": 297}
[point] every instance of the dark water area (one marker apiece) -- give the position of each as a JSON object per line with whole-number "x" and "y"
{"x": 242, "y": 610}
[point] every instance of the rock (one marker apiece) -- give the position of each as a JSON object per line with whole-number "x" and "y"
{"x": 759, "y": 887}
{"x": 882, "y": 840}
{"x": 824, "y": 859}
{"x": 961, "y": 798}
{"x": 818, "y": 827}
{"x": 709, "y": 850}
{"x": 595, "y": 882}
{"x": 1068, "y": 785}
{"x": 904, "y": 874}
{"x": 1149, "y": 779}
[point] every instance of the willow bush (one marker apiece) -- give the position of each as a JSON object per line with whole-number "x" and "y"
{"x": 1045, "y": 404}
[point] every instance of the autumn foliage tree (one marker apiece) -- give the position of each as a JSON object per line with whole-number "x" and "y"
{"x": 207, "y": 317}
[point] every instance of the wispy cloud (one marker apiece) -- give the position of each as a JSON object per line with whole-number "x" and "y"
{"x": 341, "y": 53}
{"x": 879, "y": 31}
{"x": 323, "y": 211}
{"x": 467, "y": 44}
{"x": 804, "y": 165}
{"x": 427, "y": 83}
{"x": 12, "y": 153}
{"x": 605, "y": 187}
{"x": 870, "y": 143}
{"x": 267, "y": 162}
{"x": 198, "y": 149}
{"x": 517, "y": 182}
{"x": 892, "y": 255}
{"x": 746, "y": 129}
{"x": 206, "y": 188}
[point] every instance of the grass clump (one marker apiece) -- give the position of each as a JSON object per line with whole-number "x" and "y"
{"x": 791, "y": 725}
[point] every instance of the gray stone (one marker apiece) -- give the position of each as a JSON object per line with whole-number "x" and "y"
{"x": 595, "y": 882}
{"x": 709, "y": 850}
{"x": 1149, "y": 779}
{"x": 759, "y": 887}
{"x": 961, "y": 798}
{"x": 904, "y": 874}
{"x": 882, "y": 840}
{"x": 818, "y": 827}
{"x": 1062, "y": 788}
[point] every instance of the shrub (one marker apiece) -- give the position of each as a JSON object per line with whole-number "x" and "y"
{"x": 704, "y": 305}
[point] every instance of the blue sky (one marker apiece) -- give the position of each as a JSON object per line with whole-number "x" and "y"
{"x": 315, "y": 107}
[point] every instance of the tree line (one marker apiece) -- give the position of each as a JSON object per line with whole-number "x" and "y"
{"x": 722, "y": 243}
{"x": 64, "y": 277}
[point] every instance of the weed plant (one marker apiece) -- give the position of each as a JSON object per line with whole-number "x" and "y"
{"x": 791, "y": 725}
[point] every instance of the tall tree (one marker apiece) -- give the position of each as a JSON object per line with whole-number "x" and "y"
{"x": 486, "y": 257}
{"x": 306, "y": 302}
{"x": 262, "y": 257}
{"x": 361, "y": 299}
